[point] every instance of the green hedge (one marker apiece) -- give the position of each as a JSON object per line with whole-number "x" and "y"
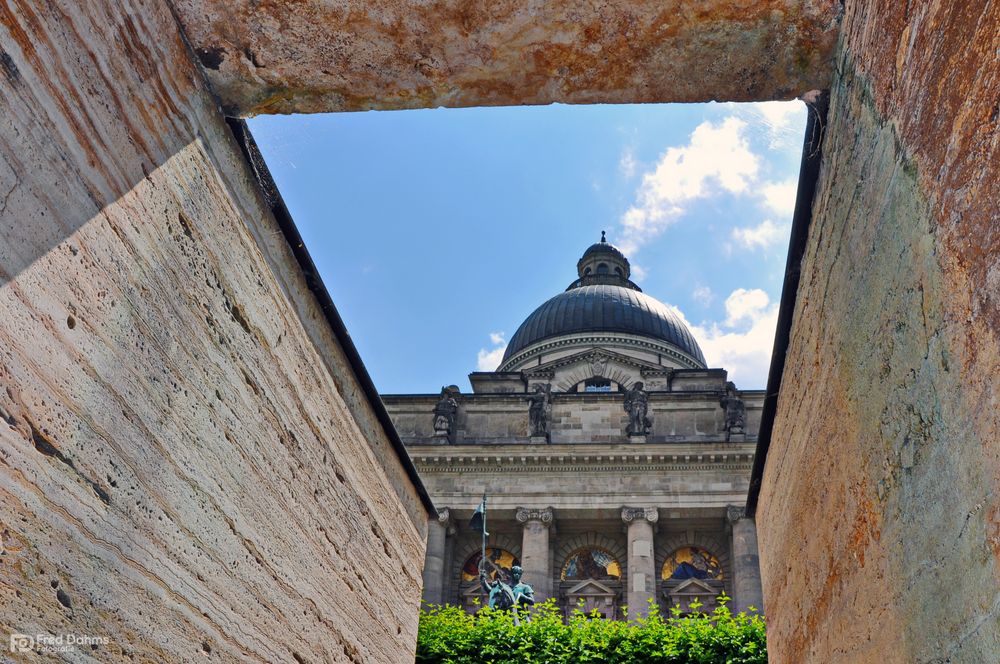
{"x": 448, "y": 635}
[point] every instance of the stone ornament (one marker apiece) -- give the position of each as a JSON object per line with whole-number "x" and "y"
{"x": 598, "y": 363}
{"x": 446, "y": 412}
{"x": 734, "y": 513}
{"x": 637, "y": 407}
{"x": 630, "y": 514}
{"x": 540, "y": 409}
{"x": 524, "y": 514}
{"x": 736, "y": 411}
{"x": 444, "y": 516}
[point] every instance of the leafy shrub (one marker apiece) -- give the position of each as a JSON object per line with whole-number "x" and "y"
{"x": 448, "y": 635}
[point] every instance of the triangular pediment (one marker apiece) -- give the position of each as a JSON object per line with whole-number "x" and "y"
{"x": 591, "y": 587}
{"x": 593, "y": 357}
{"x": 694, "y": 587}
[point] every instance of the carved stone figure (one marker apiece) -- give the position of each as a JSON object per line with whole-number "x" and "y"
{"x": 736, "y": 411}
{"x": 540, "y": 409}
{"x": 637, "y": 407}
{"x": 445, "y": 412}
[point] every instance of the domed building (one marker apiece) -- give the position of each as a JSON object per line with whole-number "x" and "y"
{"x": 616, "y": 462}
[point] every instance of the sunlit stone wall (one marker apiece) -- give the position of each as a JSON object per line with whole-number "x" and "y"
{"x": 879, "y": 518}
{"x": 188, "y": 466}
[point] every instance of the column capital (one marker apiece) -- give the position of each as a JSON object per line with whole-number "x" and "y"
{"x": 734, "y": 513}
{"x": 525, "y": 514}
{"x": 444, "y": 516}
{"x": 630, "y": 514}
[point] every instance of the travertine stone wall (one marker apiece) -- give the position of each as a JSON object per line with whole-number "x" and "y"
{"x": 879, "y": 515}
{"x": 188, "y": 466}
{"x": 315, "y": 55}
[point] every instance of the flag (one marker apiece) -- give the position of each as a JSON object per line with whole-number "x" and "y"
{"x": 478, "y": 521}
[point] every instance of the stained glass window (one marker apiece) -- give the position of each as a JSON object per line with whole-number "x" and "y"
{"x": 501, "y": 558}
{"x": 591, "y": 563}
{"x": 691, "y": 562}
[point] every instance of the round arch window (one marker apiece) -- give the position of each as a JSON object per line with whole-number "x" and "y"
{"x": 500, "y": 558}
{"x": 691, "y": 562}
{"x": 602, "y": 268}
{"x": 591, "y": 562}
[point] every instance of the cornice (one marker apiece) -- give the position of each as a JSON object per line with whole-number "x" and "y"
{"x": 598, "y": 339}
{"x": 568, "y": 463}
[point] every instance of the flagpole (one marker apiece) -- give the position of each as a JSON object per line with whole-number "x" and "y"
{"x": 483, "y": 558}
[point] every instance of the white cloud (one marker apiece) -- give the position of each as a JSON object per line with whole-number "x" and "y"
{"x": 742, "y": 343}
{"x": 488, "y": 359}
{"x": 780, "y": 196}
{"x": 716, "y": 154}
{"x": 761, "y": 236}
{"x": 779, "y": 115}
{"x": 703, "y": 295}
{"x": 638, "y": 272}
{"x": 627, "y": 164}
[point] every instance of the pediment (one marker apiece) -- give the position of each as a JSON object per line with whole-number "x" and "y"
{"x": 593, "y": 357}
{"x": 694, "y": 587}
{"x": 591, "y": 587}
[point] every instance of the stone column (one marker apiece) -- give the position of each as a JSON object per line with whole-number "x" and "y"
{"x": 535, "y": 555}
{"x": 434, "y": 561}
{"x": 641, "y": 561}
{"x": 747, "y": 590}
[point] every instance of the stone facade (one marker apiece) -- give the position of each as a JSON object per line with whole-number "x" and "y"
{"x": 593, "y": 514}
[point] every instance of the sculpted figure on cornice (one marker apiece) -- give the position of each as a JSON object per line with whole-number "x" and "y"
{"x": 637, "y": 407}
{"x": 736, "y": 411}
{"x": 446, "y": 412}
{"x": 540, "y": 409}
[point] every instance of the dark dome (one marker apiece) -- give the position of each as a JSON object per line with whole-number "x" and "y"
{"x": 604, "y": 248}
{"x": 603, "y": 308}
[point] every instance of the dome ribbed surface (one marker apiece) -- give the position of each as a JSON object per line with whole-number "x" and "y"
{"x": 603, "y": 308}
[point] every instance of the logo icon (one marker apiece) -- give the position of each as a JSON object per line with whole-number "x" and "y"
{"x": 21, "y": 643}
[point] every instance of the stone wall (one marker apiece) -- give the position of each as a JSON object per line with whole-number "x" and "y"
{"x": 879, "y": 516}
{"x": 188, "y": 465}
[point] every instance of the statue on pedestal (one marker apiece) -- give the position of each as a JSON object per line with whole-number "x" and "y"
{"x": 736, "y": 411}
{"x": 637, "y": 407}
{"x": 445, "y": 412}
{"x": 540, "y": 409}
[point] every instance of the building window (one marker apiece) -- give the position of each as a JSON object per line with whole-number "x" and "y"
{"x": 591, "y": 563}
{"x": 618, "y": 271}
{"x": 597, "y": 385}
{"x": 602, "y": 268}
{"x": 586, "y": 272}
{"x": 498, "y": 559}
{"x": 691, "y": 562}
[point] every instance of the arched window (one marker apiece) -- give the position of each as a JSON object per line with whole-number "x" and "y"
{"x": 691, "y": 562}
{"x": 591, "y": 562}
{"x": 498, "y": 559}
{"x": 602, "y": 268}
{"x": 597, "y": 384}
{"x": 586, "y": 272}
{"x": 618, "y": 271}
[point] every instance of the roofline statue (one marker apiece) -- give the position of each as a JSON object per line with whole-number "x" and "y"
{"x": 736, "y": 411}
{"x": 637, "y": 406}
{"x": 446, "y": 413}
{"x": 540, "y": 410}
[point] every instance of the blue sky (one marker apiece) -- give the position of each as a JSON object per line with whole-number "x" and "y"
{"x": 438, "y": 231}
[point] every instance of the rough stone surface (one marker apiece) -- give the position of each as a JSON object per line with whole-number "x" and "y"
{"x": 278, "y": 56}
{"x": 188, "y": 466}
{"x": 880, "y": 511}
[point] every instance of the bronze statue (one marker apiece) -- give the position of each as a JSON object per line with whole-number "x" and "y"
{"x": 540, "y": 409}
{"x": 445, "y": 412}
{"x": 637, "y": 407}
{"x": 736, "y": 411}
